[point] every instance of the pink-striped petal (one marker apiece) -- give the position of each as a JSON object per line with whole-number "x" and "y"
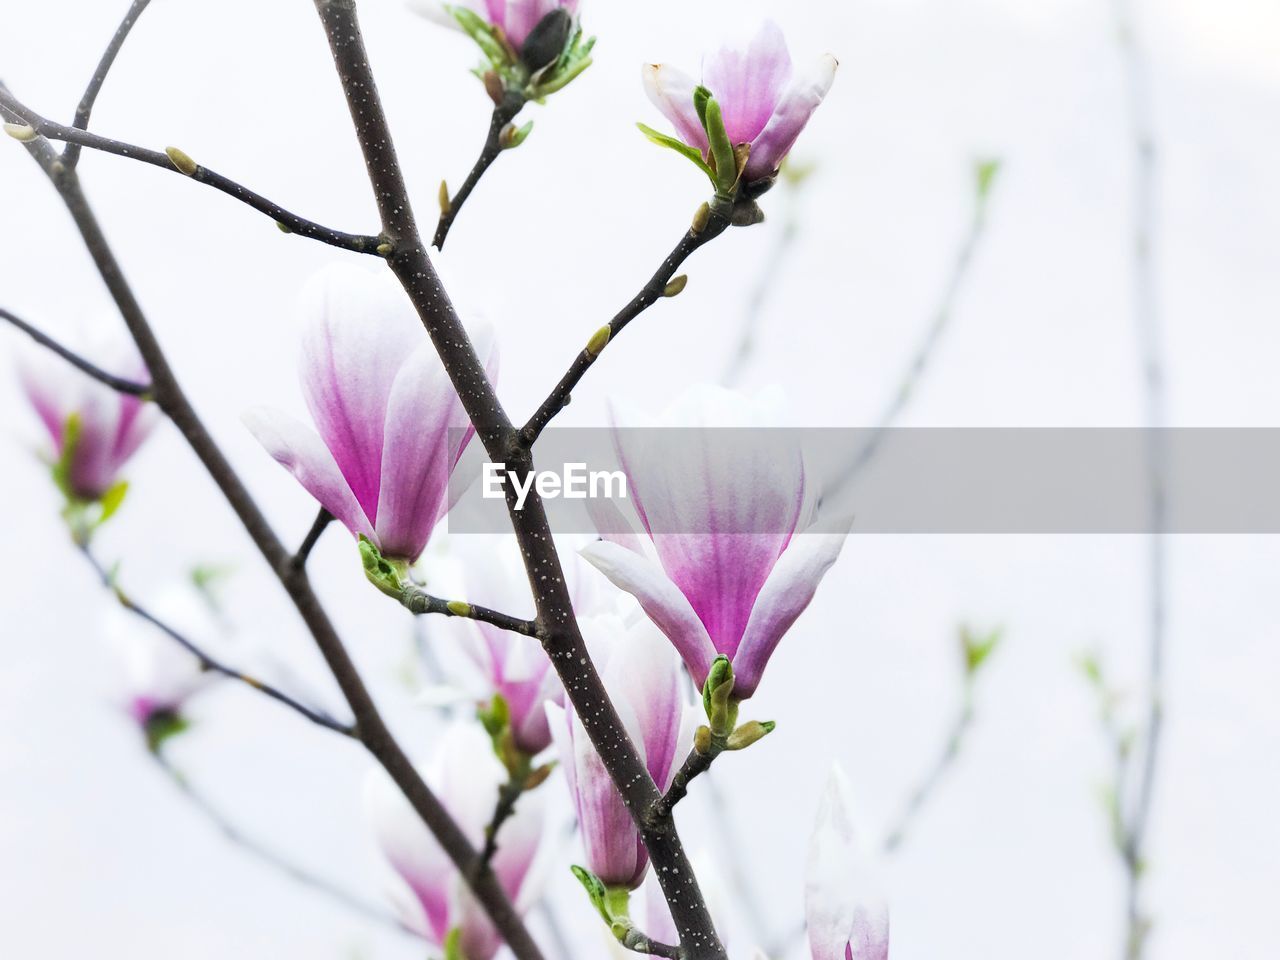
{"x": 671, "y": 91}
{"x": 846, "y": 915}
{"x": 661, "y": 599}
{"x": 300, "y": 451}
{"x": 359, "y": 328}
{"x": 748, "y": 82}
{"x": 783, "y": 598}
{"x": 794, "y": 108}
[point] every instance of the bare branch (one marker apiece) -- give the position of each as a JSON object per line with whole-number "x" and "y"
{"x": 318, "y": 527}
{"x": 207, "y": 661}
{"x": 649, "y": 294}
{"x": 503, "y": 113}
{"x": 178, "y": 162}
{"x": 119, "y": 384}
{"x": 71, "y": 155}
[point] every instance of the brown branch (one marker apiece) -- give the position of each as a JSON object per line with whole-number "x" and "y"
{"x": 207, "y": 661}
{"x": 119, "y": 384}
{"x": 561, "y": 637}
{"x": 649, "y": 294}
{"x": 71, "y": 155}
{"x": 178, "y": 162}
{"x": 503, "y": 113}
{"x": 318, "y": 527}
{"x": 419, "y": 602}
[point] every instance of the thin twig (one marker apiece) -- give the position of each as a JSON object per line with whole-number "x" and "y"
{"x": 290, "y": 222}
{"x": 649, "y": 294}
{"x": 206, "y": 660}
{"x": 928, "y": 786}
{"x": 984, "y": 176}
{"x": 119, "y": 384}
{"x": 693, "y": 767}
{"x": 318, "y": 527}
{"x": 71, "y": 155}
{"x": 1151, "y": 350}
{"x": 503, "y": 113}
{"x": 509, "y": 795}
{"x": 419, "y": 602}
{"x": 256, "y": 849}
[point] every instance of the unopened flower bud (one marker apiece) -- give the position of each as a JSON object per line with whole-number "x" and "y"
{"x": 676, "y": 286}
{"x": 459, "y": 608}
{"x": 717, "y": 697}
{"x": 701, "y": 219}
{"x": 385, "y": 249}
{"x": 599, "y": 340}
{"x": 702, "y": 740}
{"x": 493, "y": 86}
{"x": 749, "y": 733}
{"x": 512, "y": 136}
{"x": 380, "y": 571}
{"x": 546, "y": 41}
{"x": 283, "y": 227}
{"x": 22, "y": 132}
{"x": 442, "y": 196}
{"x": 181, "y": 161}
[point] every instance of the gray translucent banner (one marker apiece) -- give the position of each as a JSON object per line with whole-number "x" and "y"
{"x": 692, "y": 481}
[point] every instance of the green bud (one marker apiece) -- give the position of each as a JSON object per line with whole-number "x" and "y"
{"x": 459, "y": 608}
{"x": 702, "y": 740}
{"x": 599, "y": 340}
{"x": 977, "y": 648}
{"x": 701, "y": 218}
{"x": 382, "y": 573}
{"x": 453, "y": 945}
{"x": 597, "y": 892}
{"x": 717, "y": 699}
{"x": 749, "y": 733}
{"x": 385, "y": 249}
{"x": 676, "y": 286}
{"x": 181, "y": 161}
{"x": 442, "y": 196}
{"x": 22, "y": 132}
{"x": 512, "y": 136}
{"x": 984, "y": 176}
{"x": 162, "y": 726}
{"x": 282, "y": 227}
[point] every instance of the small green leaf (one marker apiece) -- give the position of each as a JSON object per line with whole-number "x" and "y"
{"x": 162, "y": 726}
{"x": 977, "y": 648}
{"x": 597, "y": 892}
{"x": 671, "y": 143}
{"x": 726, "y": 164}
{"x": 111, "y": 500}
{"x": 482, "y": 32}
{"x": 984, "y": 176}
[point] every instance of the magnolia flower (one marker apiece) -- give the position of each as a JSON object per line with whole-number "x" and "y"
{"x": 643, "y": 680}
{"x": 728, "y": 563}
{"x": 845, "y": 913}
{"x": 95, "y": 429}
{"x": 157, "y": 674}
{"x": 515, "y": 18}
{"x": 466, "y": 776}
{"x": 762, "y": 101}
{"x": 391, "y": 426}
{"x": 488, "y": 571}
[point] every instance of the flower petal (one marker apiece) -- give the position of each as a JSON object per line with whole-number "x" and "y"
{"x": 793, "y": 111}
{"x": 782, "y": 599}
{"x": 661, "y": 599}
{"x": 646, "y": 672}
{"x": 358, "y": 331}
{"x": 846, "y": 915}
{"x": 301, "y": 452}
{"x": 748, "y": 82}
{"x": 671, "y": 91}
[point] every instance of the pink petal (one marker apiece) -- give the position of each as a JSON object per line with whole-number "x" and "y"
{"x": 747, "y": 83}
{"x": 793, "y": 111}
{"x": 846, "y": 915}
{"x": 647, "y": 673}
{"x": 671, "y": 91}
{"x": 783, "y": 598}
{"x": 301, "y": 452}
{"x": 661, "y": 599}
{"x": 720, "y": 503}
{"x": 359, "y": 329}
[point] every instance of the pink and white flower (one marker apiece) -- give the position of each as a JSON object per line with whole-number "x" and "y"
{"x": 466, "y": 776}
{"x": 846, "y": 915}
{"x": 727, "y": 563}
{"x": 391, "y": 426}
{"x": 515, "y": 18}
{"x": 94, "y": 428}
{"x": 763, "y": 100}
{"x": 643, "y": 679}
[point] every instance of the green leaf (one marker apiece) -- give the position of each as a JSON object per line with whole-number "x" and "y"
{"x": 984, "y": 176}
{"x": 680, "y": 147}
{"x": 453, "y": 945}
{"x": 162, "y": 726}
{"x": 111, "y": 500}
{"x": 482, "y": 32}
{"x": 597, "y": 892}
{"x": 977, "y": 648}
{"x": 726, "y": 164}
{"x": 62, "y": 468}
